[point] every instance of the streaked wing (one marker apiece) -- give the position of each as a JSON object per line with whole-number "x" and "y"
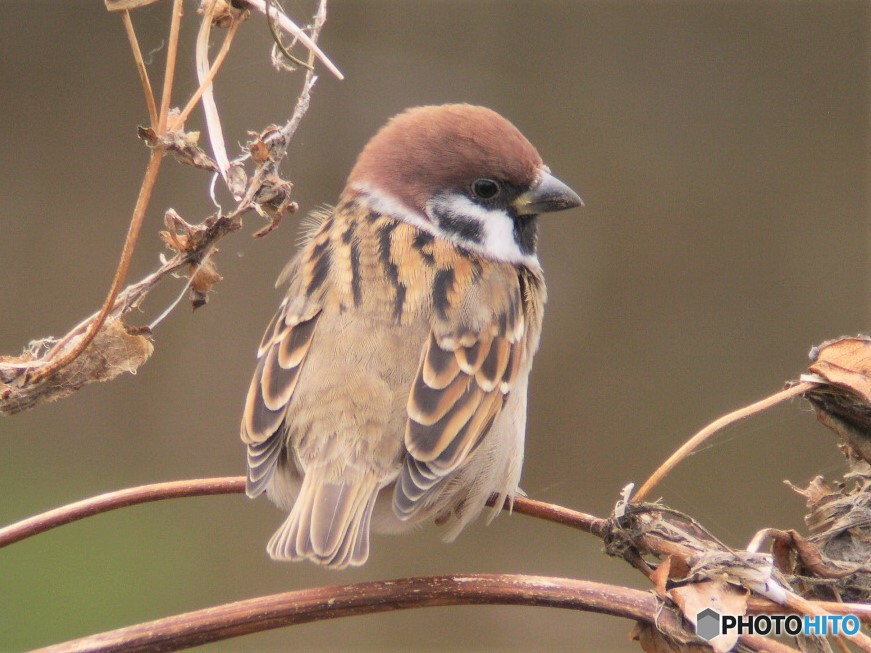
{"x": 462, "y": 382}
{"x": 281, "y": 356}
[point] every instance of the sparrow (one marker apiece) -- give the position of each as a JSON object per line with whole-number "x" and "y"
{"x": 390, "y": 387}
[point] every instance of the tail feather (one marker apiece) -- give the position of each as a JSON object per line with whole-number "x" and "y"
{"x": 329, "y": 523}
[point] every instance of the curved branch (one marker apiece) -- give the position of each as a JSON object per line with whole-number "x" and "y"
{"x": 119, "y": 499}
{"x": 235, "y": 485}
{"x": 726, "y": 420}
{"x": 304, "y": 606}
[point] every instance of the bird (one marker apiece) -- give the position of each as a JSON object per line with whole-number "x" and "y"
{"x": 390, "y": 388}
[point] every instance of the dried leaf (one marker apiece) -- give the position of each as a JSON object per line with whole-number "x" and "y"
{"x": 259, "y": 151}
{"x": 183, "y": 237}
{"x": 840, "y": 523}
{"x": 226, "y": 12}
{"x": 719, "y": 595}
{"x": 845, "y": 363}
{"x": 817, "y": 491}
{"x": 272, "y": 201}
{"x": 813, "y": 560}
{"x": 210, "y": 107}
{"x": 113, "y": 351}
{"x": 843, "y": 403}
{"x": 205, "y": 277}
{"x": 183, "y": 146}
{"x": 754, "y": 571}
{"x": 659, "y": 577}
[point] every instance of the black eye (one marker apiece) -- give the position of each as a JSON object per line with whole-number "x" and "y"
{"x": 486, "y": 189}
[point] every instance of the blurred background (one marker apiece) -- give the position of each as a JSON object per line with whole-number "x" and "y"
{"x": 722, "y": 151}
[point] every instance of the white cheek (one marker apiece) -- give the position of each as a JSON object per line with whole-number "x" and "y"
{"x": 497, "y": 231}
{"x": 499, "y": 237}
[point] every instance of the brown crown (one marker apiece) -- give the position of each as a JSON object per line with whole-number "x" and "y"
{"x": 429, "y": 149}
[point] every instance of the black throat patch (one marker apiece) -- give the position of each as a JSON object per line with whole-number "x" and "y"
{"x": 525, "y": 232}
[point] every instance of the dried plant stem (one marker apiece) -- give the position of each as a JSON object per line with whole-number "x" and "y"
{"x": 118, "y": 499}
{"x": 841, "y": 645}
{"x": 713, "y": 428}
{"x": 213, "y": 70}
{"x": 236, "y": 485}
{"x": 309, "y": 605}
{"x": 55, "y": 364}
{"x": 145, "y": 191}
{"x": 140, "y": 67}
{"x": 169, "y": 74}
{"x": 293, "y": 29}
{"x": 304, "y": 606}
{"x": 761, "y": 605}
{"x": 801, "y": 605}
{"x": 210, "y": 107}
{"x": 554, "y": 513}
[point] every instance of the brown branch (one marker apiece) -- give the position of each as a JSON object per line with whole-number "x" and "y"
{"x": 695, "y": 441}
{"x": 102, "y": 345}
{"x": 141, "y": 69}
{"x": 56, "y": 362}
{"x": 169, "y": 74}
{"x": 119, "y": 499}
{"x": 300, "y": 607}
{"x": 235, "y": 485}
{"x": 179, "y": 120}
{"x": 304, "y": 606}
{"x": 554, "y": 513}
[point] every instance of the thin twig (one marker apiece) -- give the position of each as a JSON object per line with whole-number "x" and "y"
{"x": 304, "y": 606}
{"x": 118, "y": 499}
{"x": 169, "y": 74}
{"x": 140, "y": 67}
{"x": 210, "y": 107}
{"x": 294, "y": 30}
{"x": 133, "y": 230}
{"x": 554, "y": 513}
{"x": 234, "y": 485}
{"x": 711, "y": 429}
{"x": 219, "y": 615}
{"x": 800, "y": 605}
{"x": 216, "y": 64}
{"x": 53, "y": 365}
{"x": 276, "y": 36}
{"x": 762, "y": 605}
{"x": 557, "y": 514}
{"x": 37, "y": 374}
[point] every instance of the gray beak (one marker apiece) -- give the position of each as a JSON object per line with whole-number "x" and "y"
{"x": 549, "y": 195}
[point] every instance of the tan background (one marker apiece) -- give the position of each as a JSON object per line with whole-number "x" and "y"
{"x": 722, "y": 150}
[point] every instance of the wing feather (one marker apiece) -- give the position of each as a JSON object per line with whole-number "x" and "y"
{"x": 461, "y": 385}
{"x": 427, "y": 405}
{"x": 472, "y": 357}
{"x": 440, "y": 367}
{"x": 492, "y": 369}
{"x": 281, "y": 355}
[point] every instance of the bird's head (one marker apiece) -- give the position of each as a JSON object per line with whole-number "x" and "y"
{"x": 462, "y": 173}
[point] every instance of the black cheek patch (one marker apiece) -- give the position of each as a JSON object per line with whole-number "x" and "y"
{"x": 467, "y": 229}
